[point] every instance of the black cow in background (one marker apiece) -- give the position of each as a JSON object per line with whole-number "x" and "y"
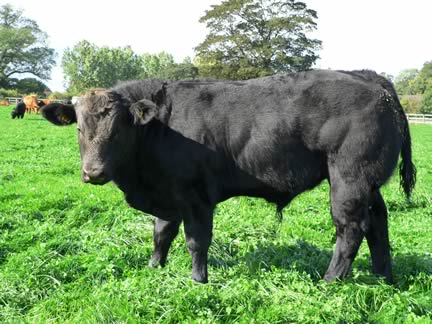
{"x": 19, "y": 110}
{"x": 178, "y": 149}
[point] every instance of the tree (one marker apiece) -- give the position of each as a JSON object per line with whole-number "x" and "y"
{"x": 423, "y": 79}
{"x": 23, "y": 47}
{"x": 57, "y": 95}
{"x": 155, "y": 65}
{"x": 426, "y": 105}
{"x": 87, "y": 66}
{"x": 404, "y": 81}
{"x": 162, "y": 66}
{"x": 29, "y": 85}
{"x": 411, "y": 104}
{"x": 252, "y": 38}
{"x": 181, "y": 71}
{"x": 416, "y": 88}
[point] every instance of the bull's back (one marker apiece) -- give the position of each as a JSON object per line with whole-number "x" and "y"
{"x": 304, "y": 106}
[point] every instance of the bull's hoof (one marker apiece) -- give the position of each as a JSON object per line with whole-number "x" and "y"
{"x": 199, "y": 279}
{"x": 330, "y": 277}
{"x": 155, "y": 263}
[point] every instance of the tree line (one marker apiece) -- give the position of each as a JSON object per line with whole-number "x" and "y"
{"x": 415, "y": 89}
{"x": 246, "y": 39}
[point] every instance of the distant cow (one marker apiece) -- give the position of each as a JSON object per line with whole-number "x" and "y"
{"x": 178, "y": 149}
{"x": 33, "y": 104}
{"x": 19, "y": 110}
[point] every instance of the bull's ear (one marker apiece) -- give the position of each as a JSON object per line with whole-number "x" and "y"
{"x": 143, "y": 111}
{"x": 59, "y": 114}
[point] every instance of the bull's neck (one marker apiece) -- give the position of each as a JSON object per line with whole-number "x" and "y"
{"x": 144, "y": 162}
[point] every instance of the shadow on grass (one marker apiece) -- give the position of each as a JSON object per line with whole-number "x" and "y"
{"x": 412, "y": 269}
{"x": 304, "y": 257}
{"x": 9, "y": 197}
{"x": 301, "y": 257}
{"x": 401, "y": 205}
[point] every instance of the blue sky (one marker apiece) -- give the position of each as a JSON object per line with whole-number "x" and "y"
{"x": 383, "y": 35}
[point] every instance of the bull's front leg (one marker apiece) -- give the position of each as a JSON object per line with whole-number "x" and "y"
{"x": 163, "y": 234}
{"x": 198, "y": 230}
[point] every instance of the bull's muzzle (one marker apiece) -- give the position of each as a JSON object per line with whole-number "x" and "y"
{"x": 94, "y": 175}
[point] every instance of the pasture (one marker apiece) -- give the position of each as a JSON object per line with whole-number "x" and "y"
{"x": 71, "y": 252}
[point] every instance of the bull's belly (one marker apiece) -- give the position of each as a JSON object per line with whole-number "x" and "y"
{"x": 278, "y": 185}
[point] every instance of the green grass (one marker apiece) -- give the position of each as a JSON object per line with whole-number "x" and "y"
{"x": 77, "y": 253}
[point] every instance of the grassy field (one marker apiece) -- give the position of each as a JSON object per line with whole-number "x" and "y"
{"x": 71, "y": 252}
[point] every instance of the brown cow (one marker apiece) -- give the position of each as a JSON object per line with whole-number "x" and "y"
{"x": 31, "y": 104}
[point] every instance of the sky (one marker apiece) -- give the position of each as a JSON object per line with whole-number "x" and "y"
{"x": 382, "y": 35}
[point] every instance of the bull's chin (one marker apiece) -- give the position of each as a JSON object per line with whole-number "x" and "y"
{"x": 98, "y": 182}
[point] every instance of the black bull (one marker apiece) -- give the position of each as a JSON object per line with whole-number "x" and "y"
{"x": 177, "y": 149}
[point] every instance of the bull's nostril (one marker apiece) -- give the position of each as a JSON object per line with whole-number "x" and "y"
{"x": 93, "y": 175}
{"x": 85, "y": 176}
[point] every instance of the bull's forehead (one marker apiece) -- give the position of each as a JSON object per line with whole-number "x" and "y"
{"x": 96, "y": 102}
{"x": 98, "y": 111}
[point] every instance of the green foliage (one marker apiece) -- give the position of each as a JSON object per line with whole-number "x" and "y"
{"x": 23, "y": 47}
{"x": 412, "y": 85}
{"x": 423, "y": 80}
{"x": 162, "y": 66}
{"x": 253, "y": 38}
{"x": 87, "y": 66}
{"x": 29, "y": 85}
{"x": 427, "y": 99}
{"x": 9, "y": 93}
{"x": 404, "y": 82}
{"x": 59, "y": 95}
{"x": 155, "y": 65}
{"x": 76, "y": 253}
{"x": 412, "y": 104}
{"x": 181, "y": 71}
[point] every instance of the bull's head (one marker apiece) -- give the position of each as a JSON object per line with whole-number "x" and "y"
{"x": 106, "y": 124}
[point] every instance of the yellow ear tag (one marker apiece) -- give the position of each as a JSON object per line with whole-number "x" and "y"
{"x": 65, "y": 120}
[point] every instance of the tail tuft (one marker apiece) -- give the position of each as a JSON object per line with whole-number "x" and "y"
{"x": 407, "y": 170}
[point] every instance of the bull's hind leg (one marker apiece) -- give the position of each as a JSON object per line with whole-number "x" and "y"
{"x": 163, "y": 235}
{"x": 349, "y": 198}
{"x": 378, "y": 238}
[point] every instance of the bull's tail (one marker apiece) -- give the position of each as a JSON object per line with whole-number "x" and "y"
{"x": 407, "y": 170}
